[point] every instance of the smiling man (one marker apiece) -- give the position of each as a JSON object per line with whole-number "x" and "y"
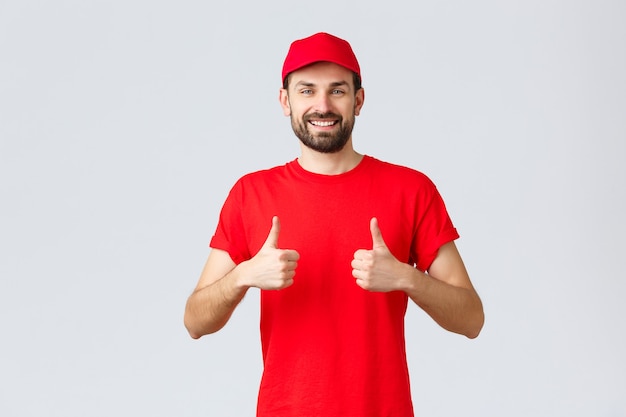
{"x": 338, "y": 242}
{"x": 322, "y": 130}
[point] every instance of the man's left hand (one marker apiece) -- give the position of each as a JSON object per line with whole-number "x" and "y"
{"x": 376, "y": 269}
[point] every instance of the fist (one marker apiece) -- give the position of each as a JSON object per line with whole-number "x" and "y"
{"x": 376, "y": 269}
{"x": 273, "y": 268}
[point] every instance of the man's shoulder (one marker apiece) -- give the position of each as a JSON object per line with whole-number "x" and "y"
{"x": 398, "y": 172}
{"x": 266, "y": 172}
{"x": 264, "y": 175}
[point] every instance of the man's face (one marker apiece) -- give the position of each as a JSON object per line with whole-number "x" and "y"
{"x": 322, "y": 105}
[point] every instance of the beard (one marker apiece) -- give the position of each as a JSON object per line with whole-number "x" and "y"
{"x": 324, "y": 142}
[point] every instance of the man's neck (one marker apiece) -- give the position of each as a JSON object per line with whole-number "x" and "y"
{"x": 329, "y": 163}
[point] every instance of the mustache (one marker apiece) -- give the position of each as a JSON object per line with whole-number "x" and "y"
{"x": 316, "y": 115}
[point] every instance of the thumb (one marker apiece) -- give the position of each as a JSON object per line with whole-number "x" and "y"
{"x": 272, "y": 237}
{"x": 377, "y": 236}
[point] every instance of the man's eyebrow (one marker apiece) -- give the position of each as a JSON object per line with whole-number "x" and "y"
{"x": 312, "y": 84}
{"x": 305, "y": 84}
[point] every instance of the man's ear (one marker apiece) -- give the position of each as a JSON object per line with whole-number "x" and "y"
{"x": 283, "y": 97}
{"x": 358, "y": 101}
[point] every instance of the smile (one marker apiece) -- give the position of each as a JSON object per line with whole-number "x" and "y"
{"x": 322, "y": 123}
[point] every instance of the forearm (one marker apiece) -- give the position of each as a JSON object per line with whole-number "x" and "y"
{"x": 212, "y": 303}
{"x": 209, "y": 308}
{"x": 457, "y": 309}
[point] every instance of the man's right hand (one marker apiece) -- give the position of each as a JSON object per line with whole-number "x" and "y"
{"x": 271, "y": 268}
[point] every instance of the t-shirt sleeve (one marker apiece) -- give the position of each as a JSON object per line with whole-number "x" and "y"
{"x": 230, "y": 234}
{"x": 434, "y": 227}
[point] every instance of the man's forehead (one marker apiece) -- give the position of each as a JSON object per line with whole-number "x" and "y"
{"x": 322, "y": 73}
{"x": 312, "y": 83}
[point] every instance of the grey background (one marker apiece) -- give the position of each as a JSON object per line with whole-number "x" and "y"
{"x": 123, "y": 124}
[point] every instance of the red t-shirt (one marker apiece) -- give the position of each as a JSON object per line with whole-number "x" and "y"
{"x": 329, "y": 347}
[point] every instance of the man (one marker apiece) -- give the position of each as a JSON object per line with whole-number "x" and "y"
{"x": 337, "y": 242}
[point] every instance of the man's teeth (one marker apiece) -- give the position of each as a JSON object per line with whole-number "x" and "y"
{"x": 321, "y": 123}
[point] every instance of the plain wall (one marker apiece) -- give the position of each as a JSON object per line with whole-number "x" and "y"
{"x": 123, "y": 124}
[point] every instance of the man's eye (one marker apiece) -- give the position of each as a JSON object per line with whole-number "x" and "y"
{"x": 337, "y": 92}
{"x": 306, "y": 92}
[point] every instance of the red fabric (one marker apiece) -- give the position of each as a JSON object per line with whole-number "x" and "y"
{"x": 329, "y": 347}
{"x": 320, "y": 47}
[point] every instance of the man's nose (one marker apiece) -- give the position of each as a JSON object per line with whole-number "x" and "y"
{"x": 322, "y": 104}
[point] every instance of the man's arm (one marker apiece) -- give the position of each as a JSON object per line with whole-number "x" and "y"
{"x": 223, "y": 284}
{"x": 215, "y": 297}
{"x": 445, "y": 292}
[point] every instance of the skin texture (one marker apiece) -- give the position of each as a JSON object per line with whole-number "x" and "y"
{"x": 322, "y": 105}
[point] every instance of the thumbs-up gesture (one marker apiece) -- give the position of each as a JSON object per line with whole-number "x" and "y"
{"x": 376, "y": 269}
{"x": 272, "y": 268}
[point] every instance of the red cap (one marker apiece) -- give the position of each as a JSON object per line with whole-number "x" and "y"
{"x": 320, "y": 47}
